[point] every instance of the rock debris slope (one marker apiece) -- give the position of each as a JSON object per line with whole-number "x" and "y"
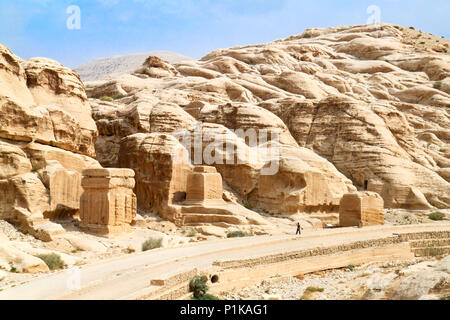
{"x": 350, "y": 106}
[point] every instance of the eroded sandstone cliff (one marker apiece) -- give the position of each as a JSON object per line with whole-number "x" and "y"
{"x": 47, "y": 138}
{"x": 351, "y": 106}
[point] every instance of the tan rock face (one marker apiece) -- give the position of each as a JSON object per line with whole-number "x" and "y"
{"x": 204, "y": 184}
{"x": 162, "y": 166}
{"x": 47, "y": 138}
{"x": 361, "y": 209}
{"x": 45, "y": 102}
{"x": 369, "y": 101}
{"x": 108, "y": 204}
{"x": 157, "y": 68}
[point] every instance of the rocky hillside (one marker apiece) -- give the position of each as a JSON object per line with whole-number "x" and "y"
{"x": 106, "y": 68}
{"x": 47, "y": 138}
{"x": 341, "y": 108}
{"x": 351, "y": 106}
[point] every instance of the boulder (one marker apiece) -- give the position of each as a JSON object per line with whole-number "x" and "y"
{"x": 14, "y": 259}
{"x": 361, "y": 209}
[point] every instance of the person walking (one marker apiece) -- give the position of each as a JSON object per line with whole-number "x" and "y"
{"x": 299, "y": 229}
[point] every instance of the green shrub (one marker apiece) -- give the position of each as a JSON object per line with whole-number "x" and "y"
{"x": 350, "y": 267}
{"x": 198, "y": 286}
{"x": 307, "y": 36}
{"x": 118, "y": 96}
{"x": 247, "y": 205}
{"x": 106, "y": 98}
{"x": 237, "y": 234}
{"x": 437, "y": 216}
{"x": 53, "y": 261}
{"x": 152, "y": 243}
{"x": 314, "y": 289}
{"x": 412, "y": 28}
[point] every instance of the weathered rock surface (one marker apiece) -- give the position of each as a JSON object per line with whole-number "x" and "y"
{"x": 108, "y": 204}
{"x": 47, "y": 137}
{"x": 420, "y": 284}
{"x": 361, "y": 209}
{"x": 14, "y": 259}
{"x": 350, "y": 105}
{"x": 162, "y": 166}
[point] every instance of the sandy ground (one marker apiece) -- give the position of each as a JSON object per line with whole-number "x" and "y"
{"x": 374, "y": 281}
{"x": 153, "y": 227}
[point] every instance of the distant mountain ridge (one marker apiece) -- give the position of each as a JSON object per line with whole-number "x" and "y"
{"x": 104, "y": 68}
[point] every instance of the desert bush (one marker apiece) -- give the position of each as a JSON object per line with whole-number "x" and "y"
{"x": 237, "y": 234}
{"x": 307, "y": 36}
{"x": 107, "y": 99}
{"x": 314, "y": 289}
{"x": 437, "y": 216}
{"x": 53, "y": 261}
{"x": 152, "y": 243}
{"x": 117, "y": 96}
{"x": 198, "y": 286}
{"x": 350, "y": 267}
{"x": 247, "y": 205}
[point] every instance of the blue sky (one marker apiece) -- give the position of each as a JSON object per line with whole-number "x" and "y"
{"x": 192, "y": 27}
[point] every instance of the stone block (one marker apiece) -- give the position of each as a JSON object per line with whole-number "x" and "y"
{"x": 204, "y": 184}
{"x": 361, "y": 209}
{"x": 108, "y": 204}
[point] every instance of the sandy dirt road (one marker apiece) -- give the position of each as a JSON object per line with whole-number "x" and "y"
{"x": 120, "y": 278}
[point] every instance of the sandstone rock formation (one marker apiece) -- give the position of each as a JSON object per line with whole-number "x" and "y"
{"x": 160, "y": 176}
{"x": 361, "y": 209}
{"x": 47, "y": 138}
{"x": 163, "y": 168}
{"x": 108, "y": 204}
{"x": 204, "y": 185}
{"x": 420, "y": 284}
{"x": 349, "y": 106}
{"x": 291, "y": 127}
{"x": 105, "y": 68}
